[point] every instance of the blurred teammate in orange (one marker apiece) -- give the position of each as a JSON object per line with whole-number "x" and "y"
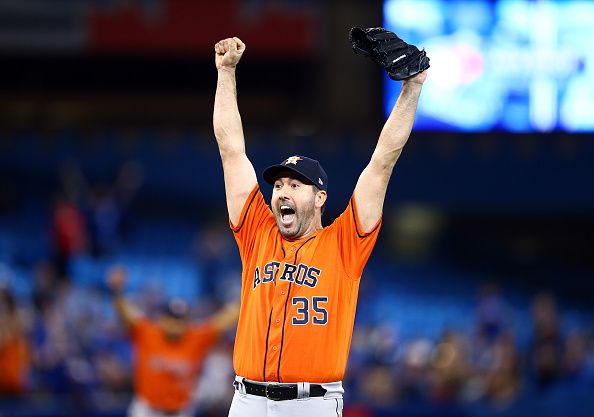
{"x": 168, "y": 352}
{"x": 14, "y": 348}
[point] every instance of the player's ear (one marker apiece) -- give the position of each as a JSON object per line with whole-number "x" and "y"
{"x": 321, "y": 197}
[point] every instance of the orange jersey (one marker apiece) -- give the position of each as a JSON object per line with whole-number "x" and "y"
{"x": 14, "y": 365}
{"x": 298, "y": 298}
{"x": 165, "y": 371}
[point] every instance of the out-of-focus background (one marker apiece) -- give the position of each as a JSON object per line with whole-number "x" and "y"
{"x": 477, "y": 300}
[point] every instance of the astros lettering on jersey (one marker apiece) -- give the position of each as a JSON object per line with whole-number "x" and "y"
{"x": 298, "y": 297}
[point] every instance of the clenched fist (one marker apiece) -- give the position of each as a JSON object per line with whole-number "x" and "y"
{"x": 228, "y": 52}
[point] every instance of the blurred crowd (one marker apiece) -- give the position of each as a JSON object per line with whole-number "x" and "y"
{"x": 66, "y": 341}
{"x": 489, "y": 365}
{"x": 91, "y": 218}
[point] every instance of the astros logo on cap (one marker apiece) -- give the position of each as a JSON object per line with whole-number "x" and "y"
{"x": 293, "y": 160}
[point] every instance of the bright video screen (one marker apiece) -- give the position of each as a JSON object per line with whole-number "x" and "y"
{"x": 510, "y": 65}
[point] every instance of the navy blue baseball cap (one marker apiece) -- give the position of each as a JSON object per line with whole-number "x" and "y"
{"x": 305, "y": 168}
{"x": 176, "y": 308}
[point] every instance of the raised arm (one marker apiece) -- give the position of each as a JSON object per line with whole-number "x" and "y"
{"x": 10, "y": 327}
{"x": 240, "y": 177}
{"x": 226, "y": 317}
{"x": 371, "y": 187}
{"x": 116, "y": 279}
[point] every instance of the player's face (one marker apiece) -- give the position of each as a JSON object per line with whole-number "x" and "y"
{"x": 293, "y": 205}
{"x": 173, "y": 328}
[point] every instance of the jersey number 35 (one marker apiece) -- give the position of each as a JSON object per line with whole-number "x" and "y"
{"x": 318, "y": 314}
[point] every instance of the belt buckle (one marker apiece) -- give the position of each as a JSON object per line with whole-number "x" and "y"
{"x": 270, "y": 395}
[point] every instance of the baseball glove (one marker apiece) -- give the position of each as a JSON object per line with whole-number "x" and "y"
{"x": 400, "y": 59}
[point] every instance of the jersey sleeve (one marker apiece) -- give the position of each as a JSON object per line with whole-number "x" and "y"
{"x": 255, "y": 218}
{"x": 139, "y": 330}
{"x": 354, "y": 245}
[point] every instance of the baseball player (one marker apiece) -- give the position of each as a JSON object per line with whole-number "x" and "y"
{"x": 14, "y": 347}
{"x": 168, "y": 352}
{"x": 300, "y": 280}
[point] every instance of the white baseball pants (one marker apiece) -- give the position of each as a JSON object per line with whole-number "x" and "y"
{"x": 330, "y": 405}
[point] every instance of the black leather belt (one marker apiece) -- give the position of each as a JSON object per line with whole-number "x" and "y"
{"x": 278, "y": 392}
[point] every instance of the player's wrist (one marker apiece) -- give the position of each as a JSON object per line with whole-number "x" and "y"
{"x": 227, "y": 69}
{"x": 411, "y": 87}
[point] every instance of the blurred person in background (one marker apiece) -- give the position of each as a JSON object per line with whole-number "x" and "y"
{"x": 575, "y": 356}
{"x": 14, "y": 347}
{"x": 109, "y": 209}
{"x": 588, "y": 360}
{"x": 69, "y": 233}
{"x": 491, "y": 313}
{"x": 547, "y": 341}
{"x": 493, "y": 361}
{"x": 53, "y": 343}
{"x": 449, "y": 369}
{"x": 503, "y": 379}
{"x": 168, "y": 352}
{"x": 92, "y": 218}
{"x": 378, "y": 387}
{"x": 69, "y": 225}
{"x": 128, "y": 183}
{"x": 45, "y": 282}
{"x": 104, "y": 220}
{"x": 415, "y": 368}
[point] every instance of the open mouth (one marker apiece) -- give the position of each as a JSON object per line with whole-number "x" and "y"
{"x": 287, "y": 214}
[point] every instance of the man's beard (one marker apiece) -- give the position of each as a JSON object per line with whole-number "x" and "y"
{"x": 298, "y": 225}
